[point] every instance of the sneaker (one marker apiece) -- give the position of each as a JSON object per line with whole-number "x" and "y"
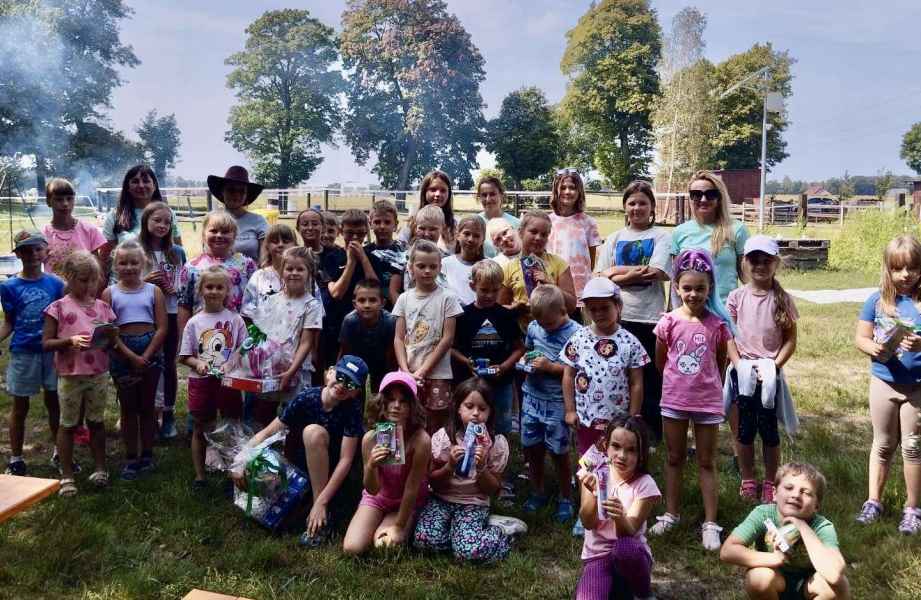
{"x": 534, "y": 503}
{"x": 507, "y": 491}
{"x": 564, "y": 511}
{"x": 82, "y": 436}
{"x": 664, "y": 524}
{"x": 578, "y": 530}
{"x": 316, "y": 540}
{"x": 509, "y": 525}
{"x": 710, "y": 536}
{"x": 145, "y": 465}
{"x": 911, "y": 521}
{"x": 767, "y": 492}
{"x": 17, "y": 468}
{"x": 869, "y": 512}
{"x": 130, "y": 471}
{"x": 748, "y": 491}
{"x": 168, "y": 429}
{"x": 56, "y": 463}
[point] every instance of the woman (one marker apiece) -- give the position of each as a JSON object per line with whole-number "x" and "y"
{"x": 236, "y": 192}
{"x": 491, "y": 194}
{"x": 139, "y": 188}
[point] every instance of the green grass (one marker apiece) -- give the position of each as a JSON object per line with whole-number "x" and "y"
{"x": 155, "y": 539}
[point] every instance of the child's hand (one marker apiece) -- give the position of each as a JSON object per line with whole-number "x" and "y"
{"x": 80, "y": 342}
{"x": 480, "y": 456}
{"x": 588, "y": 480}
{"x": 286, "y": 379}
{"x": 317, "y": 518}
{"x": 155, "y": 277}
{"x": 874, "y": 349}
{"x": 613, "y": 508}
{"x": 541, "y": 363}
{"x": 201, "y": 367}
{"x": 420, "y": 378}
{"x": 540, "y": 277}
{"x": 571, "y": 418}
{"x": 911, "y": 343}
{"x": 354, "y": 250}
{"x": 138, "y": 362}
{"x": 455, "y": 455}
{"x": 390, "y": 536}
{"x": 378, "y": 455}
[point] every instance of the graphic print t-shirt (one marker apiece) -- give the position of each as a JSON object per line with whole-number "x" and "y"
{"x": 643, "y": 302}
{"x": 25, "y": 301}
{"x": 212, "y": 337}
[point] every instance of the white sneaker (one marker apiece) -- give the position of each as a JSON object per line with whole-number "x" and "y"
{"x": 665, "y": 523}
{"x": 710, "y": 536}
{"x": 509, "y": 525}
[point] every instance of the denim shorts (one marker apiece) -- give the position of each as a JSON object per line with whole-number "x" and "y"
{"x": 542, "y": 423}
{"x": 502, "y": 395}
{"x": 694, "y": 416}
{"x": 28, "y": 372}
{"x": 120, "y": 367}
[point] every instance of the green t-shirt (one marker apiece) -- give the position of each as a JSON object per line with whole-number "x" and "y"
{"x": 753, "y": 531}
{"x": 692, "y": 234}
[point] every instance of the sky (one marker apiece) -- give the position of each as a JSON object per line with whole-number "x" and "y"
{"x": 856, "y": 88}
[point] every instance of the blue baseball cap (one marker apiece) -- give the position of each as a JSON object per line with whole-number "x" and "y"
{"x": 354, "y": 368}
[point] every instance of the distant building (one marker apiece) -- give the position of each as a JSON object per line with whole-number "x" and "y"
{"x": 743, "y": 184}
{"x": 818, "y": 191}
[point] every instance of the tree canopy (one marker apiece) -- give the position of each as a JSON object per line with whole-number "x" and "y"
{"x": 160, "y": 142}
{"x": 911, "y": 148}
{"x": 523, "y": 137}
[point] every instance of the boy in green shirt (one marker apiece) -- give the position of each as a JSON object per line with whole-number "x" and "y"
{"x": 803, "y": 561}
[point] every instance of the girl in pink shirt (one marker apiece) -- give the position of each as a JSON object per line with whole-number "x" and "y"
{"x": 691, "y": 350}
{"x": 573, "y": 235}
{"x": 66, "y": 233}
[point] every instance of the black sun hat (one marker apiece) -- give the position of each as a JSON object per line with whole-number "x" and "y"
{"x": 235, "y": 174}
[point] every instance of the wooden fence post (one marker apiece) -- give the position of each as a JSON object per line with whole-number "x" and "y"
{"x": 208, "y": 200}
{"x": 679, "y": 213}
{"x": 803, "y": 210}
{"x": 325, "y": 199}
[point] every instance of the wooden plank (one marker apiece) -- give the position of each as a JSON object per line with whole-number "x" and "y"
{"x": 19, "y": 493}
{"x": 203, "y": 595}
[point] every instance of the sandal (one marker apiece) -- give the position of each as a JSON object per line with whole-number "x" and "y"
{"x": 100, "y": 478}
{"x": 748, "y": 491}
{"x": 68, "y": 488}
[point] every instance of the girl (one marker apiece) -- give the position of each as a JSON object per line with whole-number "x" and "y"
{"x": 505, "y": 238}
{"x": 267, "y": 281}
{"x": 469, "y": 250}
{"x": 164, "y": 263}
{"x": 81, "y": 368}
{"x": 895, "y": 391}
{"x": 637, "y": 259}
{"x": 435, "y": 189}
{"x": 208, "y": 340}
{"x": 616, "y": 545}
{"x": 574, "y": 235}
{"x": 428, "y": 224}
{"x": 139, "y": 188}
{"x": 310, "y": 226}
{"x": 456, "y": 518}
{"x": 545, "y": 268}
{"x": 219, "y": 231}
{"x": 765, "y": 317}
{"x": 66, "y": 233}
{"x": 491, "y": 194}
{"x": 136, "y": 361}
{"x": 426, "y": 320}
{"x": 691, "y": 347}
{"x": 392, "y": 493}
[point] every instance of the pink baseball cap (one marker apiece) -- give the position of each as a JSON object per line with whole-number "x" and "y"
{"x": 399, "y": 378}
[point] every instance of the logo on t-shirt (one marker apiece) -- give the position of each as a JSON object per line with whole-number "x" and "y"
{"x": 605, "y": 347}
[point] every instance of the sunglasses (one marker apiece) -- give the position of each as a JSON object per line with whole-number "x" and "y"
{"x": 567, "y": 171}
{"x": 711, "y": 195}
{"x": 347, "y": 383}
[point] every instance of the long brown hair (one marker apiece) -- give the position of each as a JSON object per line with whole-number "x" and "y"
{"x": 124, "y": 213}
{"x": 467, "y": 387}
{"x": 722, "y": 229}
{"x": 416, "y": 419}
{"x": 637, "y": 427}
{"x": 276, "y": 233}
{"x": 166, "y": 244}
{"x": 901, "y": 252}
{"x": 558, "y": 183}
{"x": 448, "y": 208}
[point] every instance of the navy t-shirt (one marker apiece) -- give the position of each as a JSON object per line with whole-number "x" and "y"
{"x": 487, "y": 333}
{"x": 307, "y": 409}
{"x": 387, "y": 261}
{"x": 25, "y": 301}
{"x": 369, "y": 343}
{"x": 904, "y": 367}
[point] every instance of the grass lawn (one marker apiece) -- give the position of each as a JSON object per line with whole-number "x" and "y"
{"x": 155, "y": 538}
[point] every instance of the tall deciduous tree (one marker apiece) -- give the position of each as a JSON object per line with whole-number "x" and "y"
{"x": 911, "y": 148}
{"x": 610, "y": 59}
{"x": 414, "y": 90}
{"x": 523, "y": 136}
{"x": 287, "y": 91}
{"x": 160, "y": 140}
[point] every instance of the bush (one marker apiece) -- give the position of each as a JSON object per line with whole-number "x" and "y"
{"x": 860, "y": 243}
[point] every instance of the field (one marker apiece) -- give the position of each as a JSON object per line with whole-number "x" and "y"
{"x": 156, "y": 538}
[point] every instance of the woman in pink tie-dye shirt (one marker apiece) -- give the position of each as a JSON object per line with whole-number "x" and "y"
{"x": 574, "y": 235}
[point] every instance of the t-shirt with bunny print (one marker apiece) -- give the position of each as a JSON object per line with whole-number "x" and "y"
{"x": 602, "y": 384}
{"x": 691, "y": 380}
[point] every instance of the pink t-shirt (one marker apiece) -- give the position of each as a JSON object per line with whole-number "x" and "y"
{"x": 75, "y": 319}
{"x": 212, "y": 337}
{"x": 464, "y": 490}
{"x": 691, "y": 380}
{"x": 570, "y": 239}
{"x": 600, "y": 541}
{"x": 753, "y": 312}
{"x": 61, "y": 242}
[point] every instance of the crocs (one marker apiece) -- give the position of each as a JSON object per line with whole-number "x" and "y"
{"x": 564, "y": 511}
{"x": 748, "y": 491}
{"x": 767, "y": 492}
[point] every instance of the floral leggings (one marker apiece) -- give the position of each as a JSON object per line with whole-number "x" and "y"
{"x": 462, "y": 528}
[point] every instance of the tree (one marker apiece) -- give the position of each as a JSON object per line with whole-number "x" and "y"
{"x": 845, "y": 187}
{"x": 884, "y": 181}
{"x": 414, "y": 90}
{"x": 610, "y": 60}
{"x": 911, "y": 148}
{"x": 523, "y": 136}
{"x": 737, "y": 143}
{"x": 287, "y": 94}
{"x": 498, "y": 174}
{"x": 160, "y": 141}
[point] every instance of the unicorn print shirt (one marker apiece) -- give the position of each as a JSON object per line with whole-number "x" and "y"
{"x": 691, "y": 380}
{"x": 212, "y": 337}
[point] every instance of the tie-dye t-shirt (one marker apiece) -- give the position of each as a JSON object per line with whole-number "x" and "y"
{"x": 238, "y": 266}
{"x": 570, "y": 239}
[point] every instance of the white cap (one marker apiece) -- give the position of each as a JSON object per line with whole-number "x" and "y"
{"x": 762, "y": 243}
{"x": 600, "y": 287}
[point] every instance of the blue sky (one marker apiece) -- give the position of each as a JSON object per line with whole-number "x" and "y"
{"x": 856, "y": 88}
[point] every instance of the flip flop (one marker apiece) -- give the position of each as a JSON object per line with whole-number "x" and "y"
{"x": 68, "y": 488}
{"x": 100, "y": 478}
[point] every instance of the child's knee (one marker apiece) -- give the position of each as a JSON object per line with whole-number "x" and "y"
{"x": 882, "y": 450}
{"x": 911, "y": 449}
{"x": 676, "y": 458}
{"x": 315, "y": 436}
{"x": 762, "y": 580}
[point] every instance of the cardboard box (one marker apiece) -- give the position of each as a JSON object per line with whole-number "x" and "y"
{"x": 251, "y": 384}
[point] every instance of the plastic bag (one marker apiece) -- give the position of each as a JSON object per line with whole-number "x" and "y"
{"x": 225, "y": 442}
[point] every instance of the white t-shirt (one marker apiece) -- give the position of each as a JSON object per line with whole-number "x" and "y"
{"x": 645, "y": 302}
{"x": 212, "y": 337}
{"x": 425, "y": 316}
{"x": 282, "y": 319}
{"x": 457, "y": 273}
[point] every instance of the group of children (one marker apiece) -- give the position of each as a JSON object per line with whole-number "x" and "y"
{"x": 456, "y": 342}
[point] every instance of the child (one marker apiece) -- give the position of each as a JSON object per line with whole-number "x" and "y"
{"x": 615, "y": 545}
{"x": 368, "y": 331}
{"x": 330, "y": 230}
{"x": 457, "y": 267}
{"x": 487, "y": 331}
{"x": 505, "y": 238}
{"x": 268, "y": 280}
{"x": 392, "y": 493}
{"x": 324, "y": 430}
{"x": 491, "y": 194}
{"x": 637, "y": 259}
{"x": 691, "y": 347}
{"x": 895, "y": 379}
{"x": 765, "y": 317}
{"x": 136, "y": 361}
{"x": 520, "y": 280}
{"x": 139, "y": 188}
{"x": 309, "y": 224}
{"x": 426, "y": 316}
{"x": 66, "y": 233}
{"x": 208, "y": 340}
{"x": 542, "y": 410}
{"x": 388, "y": 256}
{"x": 426, "y": 225}
{"x": 812, "y": 566}
{"x": 30, "y": 369}
{"x": 81, "y": 367}
{"x": 456, "y": 517}
{"x": 164, "y": 263}
{"x": 435, "y": 190}
{"x": 574, "y": 235}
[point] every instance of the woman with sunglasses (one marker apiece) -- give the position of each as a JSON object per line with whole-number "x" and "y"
{"x": 714, "y": 230}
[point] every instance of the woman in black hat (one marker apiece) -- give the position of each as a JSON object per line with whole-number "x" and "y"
{"x": 236, "y": 192}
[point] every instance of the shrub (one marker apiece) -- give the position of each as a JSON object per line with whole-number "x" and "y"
{"x": 860, "y": 243}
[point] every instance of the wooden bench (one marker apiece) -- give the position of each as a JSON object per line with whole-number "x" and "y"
{"x": 19, "y": 493}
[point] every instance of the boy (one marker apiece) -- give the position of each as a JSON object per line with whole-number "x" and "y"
{"x": 388, "y": 256}
{"x": 66, "y": 233}
{"x": 367, "y": 332}
{"x": 24, "y": 299}
{"x": 542, "y": 424}
{"x": 324, "y": 431}
{"x": 812, "y": 566}
{"x": 427, "y": 224}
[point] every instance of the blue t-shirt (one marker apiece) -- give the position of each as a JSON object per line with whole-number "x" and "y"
{"x": 25, "y": 300}
{"x": 307, "y": 409}
{"x": 692, "y": 234}
{"x": 904, "y": 367}
{"x": 550, "y": 344}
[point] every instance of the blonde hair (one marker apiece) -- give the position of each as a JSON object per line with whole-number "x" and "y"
{"x": 219, "y": 219}
{"x": 129, "y": 245}
{"x": 385, "y": 207}
{"x": 80, "y": 262}
{"x": 546, "y": 300}
{"x": 722, "y": 228}
{"x": 423, "y": 247}
{"x": 306, "y": 255}
{"x": 59, "y": 186}
{"x": 496, "y": 227}
{"x": 276, "y": 233}
{"x": 901, "y": 252}
{"x": 430, "y": 213}
{"x": 812, "y": 475}
{"x": 486, "y": 271}
{"x": 532, "y": 215}
{"x": 212, "y": 272}
{"x": 783, "y": 303}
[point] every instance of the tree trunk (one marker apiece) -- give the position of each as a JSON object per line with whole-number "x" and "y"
{"x": 625, "y": 158}
{"x": 403, "y": 181}
{"x": 40, "y": 173}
